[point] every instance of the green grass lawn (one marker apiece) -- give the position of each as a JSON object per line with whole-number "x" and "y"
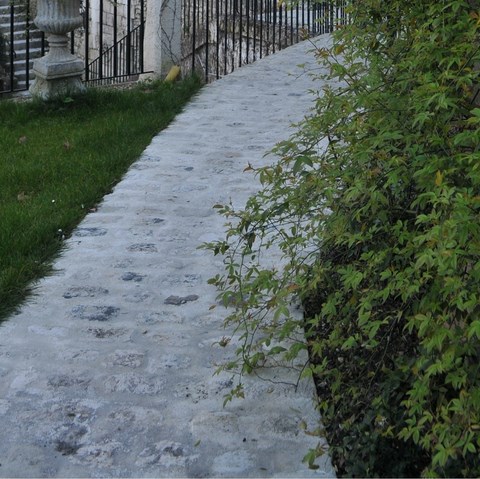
{"x": 58, "y": 159}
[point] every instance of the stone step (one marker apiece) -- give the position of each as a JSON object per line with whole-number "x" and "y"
{"x": 19, "y": 66}
{"x": 5, "y": 11}
{"x": 20, "y": 82}
{"x": 21, "y": 35}
{"x": 19, "y": 23}
{"x": 21, "y": 55}
{"x": 19, "y": 30}
{"x": 20, "y": 75}
{"x": 20, "y": 45}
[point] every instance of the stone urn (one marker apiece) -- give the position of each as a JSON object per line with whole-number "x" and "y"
{"x": 59, "y": 72}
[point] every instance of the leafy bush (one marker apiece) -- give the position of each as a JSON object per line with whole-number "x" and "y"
{"x": 375, "y": 205}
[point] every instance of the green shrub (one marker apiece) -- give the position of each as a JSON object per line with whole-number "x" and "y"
{"x": 380, "y": 232}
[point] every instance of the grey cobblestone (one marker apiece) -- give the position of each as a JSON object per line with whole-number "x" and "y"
{"x": 108, "y": 370}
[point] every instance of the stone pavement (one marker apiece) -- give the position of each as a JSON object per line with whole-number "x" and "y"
{"x": 108, "y": 371}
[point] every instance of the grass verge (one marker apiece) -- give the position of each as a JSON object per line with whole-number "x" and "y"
{"x": 58, "y": 159}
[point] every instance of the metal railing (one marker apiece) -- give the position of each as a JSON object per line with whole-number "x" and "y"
{"x": 122, "y": 62}
{"x": 20, "y": 44}
{"x": 221, "y": 35}
{"x": 218, "y": 36}
{"x": 123, "y": 59}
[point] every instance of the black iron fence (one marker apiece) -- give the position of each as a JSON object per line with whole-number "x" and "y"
{"x": 218, "y": 36}
{"x": 221, "y": 35}
{"x": 20, "y": 43}
{"x": 120, "y": 35}
{"x": 121, "y": 62}
{"x": 110, "y": 42}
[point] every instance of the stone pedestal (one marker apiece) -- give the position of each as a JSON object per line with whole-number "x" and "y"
{"x": 59, "y": 72}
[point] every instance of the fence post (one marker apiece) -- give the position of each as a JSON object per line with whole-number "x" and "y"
{"x": 163, "y": 36}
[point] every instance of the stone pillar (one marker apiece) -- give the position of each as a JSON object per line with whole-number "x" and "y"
{"x": 163, "y": 36}
{"x": 59, "y": 72}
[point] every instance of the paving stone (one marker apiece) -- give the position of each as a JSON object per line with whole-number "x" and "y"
{"x": 233, "y": 464}
{"x": 175, "y": 361}
{"x": 94, "y": 313}
{"x": 106, "y": 333}
{"x": 143, "y": 248}
{"x": 129, "y": 276}
{"x": 97, "y": 455}
{"x": 133, "y": 383}
{"x": 140, "y": 297}
{"x": 109, "y": 370}
{"x": 68, "y": 381}
{"x": 164, "y": 453}
{"x": 224, "y": 423}
{"x": 187, "y": 279}
{"x": 4, "y": 406}
{"x": 82, "y": 232}
{"x": 78, "y": 355}
{"x": 84, "y": 292}
{"x": 179, "y": 300}
{"x": 44, "y": 331}
{"x": 154, "y": 221}
{"x": 129, "y": 359}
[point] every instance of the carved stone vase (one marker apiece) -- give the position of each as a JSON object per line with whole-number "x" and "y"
{"x": 58, "y": 72}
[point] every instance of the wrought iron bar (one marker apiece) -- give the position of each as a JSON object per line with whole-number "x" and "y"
{"x": 247, "y": 9}
{"x": 12, "y": 46}
{"x": 100, "y": 34}
{"x": 255, "y": 5}
{"x": 27, "y": 45}
{"x": 129, "y": 39}
{"x": 86, "y": 20}
{"x": 240, "y": 33}
{"x": 142, "y": 35}
{"x": 194, "y": 33}
{"x": 226, "y": 39}
{"x": 274, "y": 25}
{"x": 234, "y": 8}
{"x": 280, "y": 24}
{"x": 218, "y": 39}
{"x": 115, "y": 37}
{"x": 207, "y": 39}
{"x": 262, "y": 13}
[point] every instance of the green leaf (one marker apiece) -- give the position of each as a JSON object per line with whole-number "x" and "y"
{"x": 474, "y": 329}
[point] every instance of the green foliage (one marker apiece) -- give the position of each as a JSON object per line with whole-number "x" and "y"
{"x": 375, "y": 206}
